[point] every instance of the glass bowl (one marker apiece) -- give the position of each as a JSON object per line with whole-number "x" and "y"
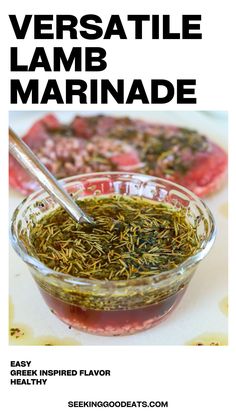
{"x": 113, "y": 307}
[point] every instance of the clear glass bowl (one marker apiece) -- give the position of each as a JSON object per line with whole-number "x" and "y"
{"x": 113, "y": 307}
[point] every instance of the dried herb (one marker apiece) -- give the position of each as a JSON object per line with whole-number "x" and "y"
{"x": 162, "y": 150}
{"x": 16, "y": 332}
{"x": 132, "y": 238}
{"x": 173, "y": 153}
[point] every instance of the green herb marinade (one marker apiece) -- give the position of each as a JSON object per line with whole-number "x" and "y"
{"x": 132, "y": 237}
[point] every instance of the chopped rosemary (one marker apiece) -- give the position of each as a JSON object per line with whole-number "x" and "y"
{"x": 132, "y": 238}
{"x": 170, "y": 153}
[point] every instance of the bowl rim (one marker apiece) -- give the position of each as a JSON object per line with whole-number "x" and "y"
{"x": 159, "y": 279}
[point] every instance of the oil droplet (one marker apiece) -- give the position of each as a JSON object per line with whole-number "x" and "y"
{"x": 11, "y": 310}
{"x": 53, "y": 341}
{"x": 223, "y": 304}
{"x": 21, "y": 334}
{"x": 209, "y": 339}
{"x": 223, "y": 209}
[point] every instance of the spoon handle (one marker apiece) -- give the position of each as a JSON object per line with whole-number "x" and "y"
{"x": 31, "y": 163}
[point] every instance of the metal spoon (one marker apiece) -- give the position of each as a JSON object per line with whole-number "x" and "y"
{"x": 31, "y": 163}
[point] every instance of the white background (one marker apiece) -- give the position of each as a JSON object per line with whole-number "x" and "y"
{"x": 198, "y": 382}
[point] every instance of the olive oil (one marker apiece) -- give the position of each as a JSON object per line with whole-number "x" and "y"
{"x": 223, "y": 304}
{"x": 131, "y": 238}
